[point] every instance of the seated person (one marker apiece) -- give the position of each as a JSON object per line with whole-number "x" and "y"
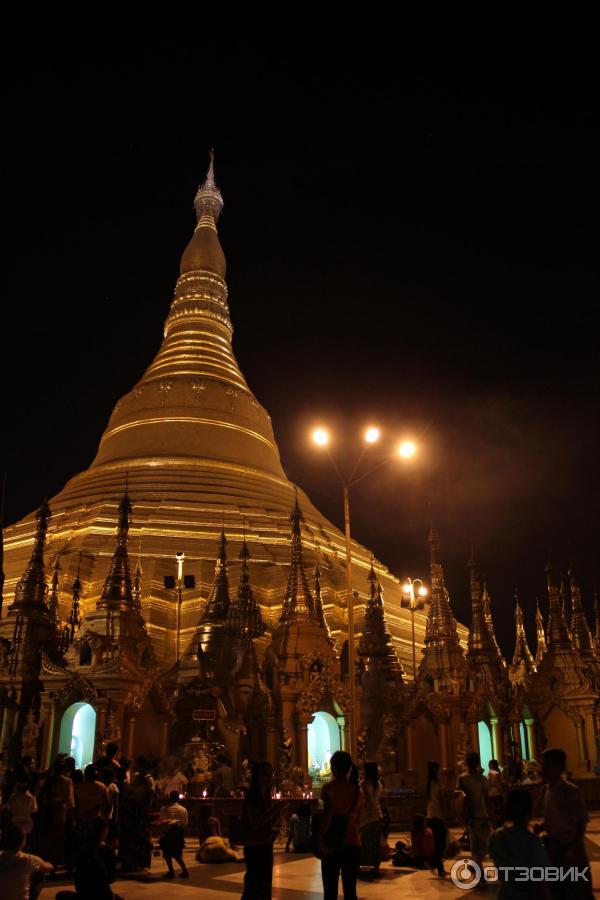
{"x": 213, "y": 846}
{"x": 299, "y": 830}
{"x": 21, "y": 874}
{"x": 421, "y": 851}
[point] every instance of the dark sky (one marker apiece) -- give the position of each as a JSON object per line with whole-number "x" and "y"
{"x": 418, "y": 251}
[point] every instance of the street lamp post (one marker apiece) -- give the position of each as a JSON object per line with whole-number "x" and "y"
{"x": 405, "y": 450}
{"x": 413, "y": 592}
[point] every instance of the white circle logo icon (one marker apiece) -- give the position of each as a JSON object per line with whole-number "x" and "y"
{"x": 465, "y": 873}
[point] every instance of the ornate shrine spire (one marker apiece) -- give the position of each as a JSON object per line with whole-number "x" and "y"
{"x": 564, "y": 598}
{"x": 596, "y": 622}
{"x": 522, "y": 664}
{"x": 558, "y": 633}
{"x": 487, "y": 613}
{"x": 117, "y": 592}
{"x": 245, "y": 618}
{"x": 219, "y": 600}
{"x": 298, "y": 605}
{"x": 32, "y": 589}
{"x": 481, "y": 642}
{"x": 376, "y": 642}
{"x": 580, "y": 630}
{"x": 74, "y": 617}
{"x": 541, "y": 645}
{"x": 443, "y": 660}
{"x": 319, "y": 600}
{"x": 136, "y": 592}
{"x": 53, "y": 598}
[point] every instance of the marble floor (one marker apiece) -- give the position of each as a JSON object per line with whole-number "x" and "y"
{"x": 299, "y": 878}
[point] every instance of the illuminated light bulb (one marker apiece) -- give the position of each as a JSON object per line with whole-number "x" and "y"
{"x": 372, "y": 435}
{"x": 321, "y": 437}
{"x": 407, "y": 449}
{"x": 423, "y": 591}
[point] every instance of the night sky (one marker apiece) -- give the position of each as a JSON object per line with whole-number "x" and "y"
{"x": 402, "y": 249}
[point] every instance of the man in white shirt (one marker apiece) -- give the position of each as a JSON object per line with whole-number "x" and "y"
{"x": 174, "y": 819}
{"x": 21, "y": 874}
{"x": 23, "y": 806}
{"x": 474, "y": 787}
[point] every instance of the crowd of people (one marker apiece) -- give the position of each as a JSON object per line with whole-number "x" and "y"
{"x": 90, "y": 824}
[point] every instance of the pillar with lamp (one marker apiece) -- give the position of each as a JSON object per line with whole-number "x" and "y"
{"x": 405, "y": 450}
{"x": 415, "y": 592}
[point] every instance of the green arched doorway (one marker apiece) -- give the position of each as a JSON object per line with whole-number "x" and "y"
{"x": 78, "y": 733}
{"x": 323, "y": 741}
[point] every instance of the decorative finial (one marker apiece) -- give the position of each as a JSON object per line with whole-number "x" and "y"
{"x": 208, "y": 198}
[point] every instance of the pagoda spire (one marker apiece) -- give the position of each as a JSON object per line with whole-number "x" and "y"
{"x": 522, "y": 664}
{"x": 596, "y": 622}
{"x": 580, "y": 630}
{"x": 219, "y": 599}
{"x": 298, "y": 605}
{"x": 244, "y": 617}
{"x": 558, "y": 634}
{"x": 376, "y": 644}
{"x": 118, "y": 591}
{"x": 32, "y": 589}
{"x": 443, "y": 658}
{"x": 53, "y": 598}
{"x": 195, "y": 370}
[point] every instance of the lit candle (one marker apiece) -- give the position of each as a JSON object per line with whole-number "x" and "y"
{"x": 204, "y": 793}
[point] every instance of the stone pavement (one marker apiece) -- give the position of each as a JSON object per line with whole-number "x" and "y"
{"x": 299, "y": 878}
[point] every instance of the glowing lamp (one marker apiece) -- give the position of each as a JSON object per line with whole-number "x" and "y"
{"x": 372, "y": 435}
{"x": 407, "y": 449}
{"x": 321, "y": 437}
{"x": 422, "y": 591}
{"x": 407, "y": 588}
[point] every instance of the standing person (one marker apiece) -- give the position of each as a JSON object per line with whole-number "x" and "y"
{"x": 22, "y": 805}
{"x": 96, "y": 865}
{"x": 474, "y": 787}
{"x": 565, "y": 820}
{"x": 435, "y": 816}
{"x": 135, "y": 844}
{"x": 339, "y": 836}
{"x": 57, "y": 803}
{"x": 175, "y": 818}
{"x": 21, "y": 874}
{"x": 514, "y": 846}
{"x": 260, "y": 817}
{"x": 371, "y": 819}
{"x": 495, "y": 792}
{"x": 91, "y": 797}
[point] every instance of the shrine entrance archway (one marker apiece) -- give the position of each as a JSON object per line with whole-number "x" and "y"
{"x": 78, "y": 733}
{"x": 323, "y": 741}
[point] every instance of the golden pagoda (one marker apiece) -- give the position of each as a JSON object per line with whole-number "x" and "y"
{"x": 198, "y": 454}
